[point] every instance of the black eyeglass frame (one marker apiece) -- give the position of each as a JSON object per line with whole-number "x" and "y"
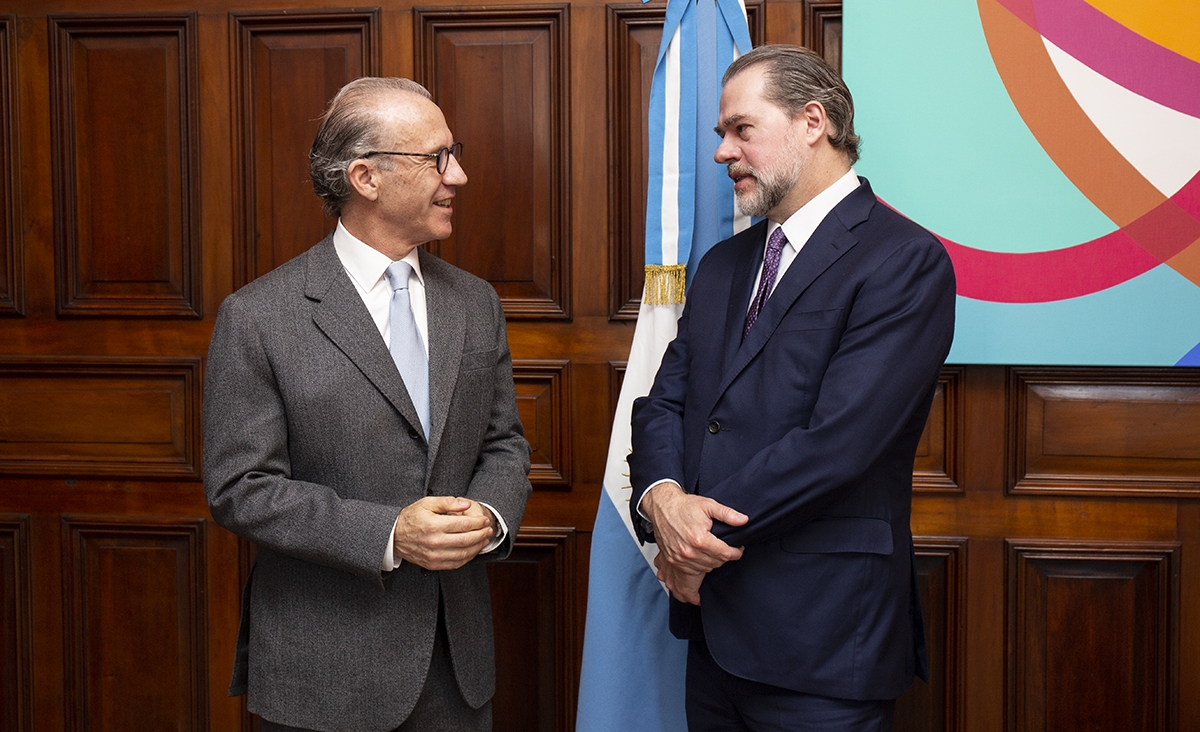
{"x": 441, "y": 157}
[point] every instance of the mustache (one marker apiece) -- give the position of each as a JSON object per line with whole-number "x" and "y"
{"x": 736, "y": 170}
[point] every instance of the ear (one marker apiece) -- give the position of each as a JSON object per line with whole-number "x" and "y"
{"x": 816, "y": 122}
{"x": 364, "y": 179}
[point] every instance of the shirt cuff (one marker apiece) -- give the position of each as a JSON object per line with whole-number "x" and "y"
{"x": 389, "y": 556}
{"x": 501, "y": 530}
{"x": 648, "y": 489}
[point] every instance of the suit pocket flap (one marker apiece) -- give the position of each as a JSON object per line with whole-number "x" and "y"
{"x": 840, "y": 534}
{"x": 810, "y": 320}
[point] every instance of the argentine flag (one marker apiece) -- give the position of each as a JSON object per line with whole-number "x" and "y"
{"x": 633, "y": 669}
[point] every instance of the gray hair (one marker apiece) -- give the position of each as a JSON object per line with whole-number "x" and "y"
{"x": 796, "y": 76}
{"x": 349, "y": 129}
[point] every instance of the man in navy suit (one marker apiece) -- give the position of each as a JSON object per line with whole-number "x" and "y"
{"x": 772, "y": 460}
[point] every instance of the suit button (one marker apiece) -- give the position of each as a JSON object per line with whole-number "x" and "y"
{"x": 714, "y": 427}
{"x": 413, "y": 434}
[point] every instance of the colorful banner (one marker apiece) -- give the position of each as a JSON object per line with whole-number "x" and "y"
{"x": 1054, "y": 147}
{"x": 633, "y": 669}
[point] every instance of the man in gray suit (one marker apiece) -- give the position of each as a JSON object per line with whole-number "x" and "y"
{"x": 360, "y": 426}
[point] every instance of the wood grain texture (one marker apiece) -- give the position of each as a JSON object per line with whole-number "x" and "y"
{"x": 287, "y": 66}
{"x": 126, "y": 153}
{"x": 16, "y": 630}
{"x": 136, "y": 623}
{"x": 12, "y": 275}
{"x": 1092, "y": 635}
{"x": 533, "y": 606}
{"x": 940, "y": 451}
{"x": 100, "y": 417}
{"x": 500, "y": 75}
{"x": 1105, "y": 431}
{"x": 543, "y": 401}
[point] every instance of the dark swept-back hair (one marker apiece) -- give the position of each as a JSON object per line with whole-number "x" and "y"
{"x": 796, "y": 76}
{"x": 349, "y": 129}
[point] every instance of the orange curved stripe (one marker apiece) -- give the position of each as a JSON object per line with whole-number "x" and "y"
{"x": 1083, "y": 154}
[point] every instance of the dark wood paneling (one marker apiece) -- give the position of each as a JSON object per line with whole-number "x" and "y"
{"x": 939, "y": 454}
{"x": 100, "y": 417}
{"x": 12, "y": 301}
{"x": 634, "y": 32}
{"x": 533, "y": 608}
{"x": 543, "y": 387}
{"x": 126, "y": 153}
{"x": 501, "y": 77}
{"x": 15, "y": 625}
{"x": 941, "y": 575}
{"x": 136, "y": 624}
{"x": 287, "y": 65}
{"x": 823, "y": 29}
{"x": 616, "y": 377}
{"x": 1105, "y": 431}
{"x": 1092, "y": 635}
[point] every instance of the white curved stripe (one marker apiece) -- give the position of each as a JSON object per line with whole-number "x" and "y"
{"x": 1162, "y": 143}
{"x": 670, "y": 190}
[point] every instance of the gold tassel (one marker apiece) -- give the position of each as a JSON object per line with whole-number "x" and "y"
{"x": 664, "y": 284}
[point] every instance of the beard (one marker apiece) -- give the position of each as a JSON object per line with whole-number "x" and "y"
{"x": 770, "y": 187}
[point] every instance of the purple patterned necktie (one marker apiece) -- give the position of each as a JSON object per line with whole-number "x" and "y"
{"x": 770, "y": 269}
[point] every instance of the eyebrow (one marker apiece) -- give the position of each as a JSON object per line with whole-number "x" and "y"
{"x": 728, "y": 122}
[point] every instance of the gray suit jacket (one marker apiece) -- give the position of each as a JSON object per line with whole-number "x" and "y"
{"x": 311, "y": 449}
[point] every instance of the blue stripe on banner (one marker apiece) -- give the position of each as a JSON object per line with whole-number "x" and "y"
{"x": 633, "y": 679}
{"x": 707, "y": 228}
{"x": 654, "y": 174}
{"x": 688, "y": 93}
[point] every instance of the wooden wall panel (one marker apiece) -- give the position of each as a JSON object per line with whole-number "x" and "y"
{"x": 16, "y": 650}
{"x": 126, "y": 153}
{"x": 12, "y": 300}
{"x": 941, "y": 574}
{"x": 939, "y": 454}
{"x": 500, "y": 75}
{"x": 1092, "y": 635}
{"x": 532, "y": 611}
{"x": 543, "y": 389}
{"x": 136, "y": 638}
{"x": 287, "y": 66}
{"x": 1106, "y": 431}
{"x": 100, "y": 417}
{"x": 633, "y": 32}
{"x": 823, "y": 29}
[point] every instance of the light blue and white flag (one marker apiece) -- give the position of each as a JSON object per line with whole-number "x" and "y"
{"x": 633, "y": 669}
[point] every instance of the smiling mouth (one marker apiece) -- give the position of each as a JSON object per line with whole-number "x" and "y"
{"x": 444, "y": 203}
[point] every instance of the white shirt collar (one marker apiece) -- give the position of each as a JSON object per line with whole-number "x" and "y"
{"x": 801, "y": 225}
{"x": 365, "y": 264}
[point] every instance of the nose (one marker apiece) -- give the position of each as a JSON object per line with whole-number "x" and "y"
{"x": 454, "y": 175}
{"x": 727, "y": 151}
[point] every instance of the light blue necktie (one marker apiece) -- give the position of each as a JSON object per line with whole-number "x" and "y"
{"x": 407, "y": 349}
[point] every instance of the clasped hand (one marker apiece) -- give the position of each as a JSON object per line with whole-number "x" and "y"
{"x": 442, "y": 532}
{"x": 687, "y": 548}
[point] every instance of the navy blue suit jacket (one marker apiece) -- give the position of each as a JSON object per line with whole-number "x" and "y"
{"x": 810, "y": 427}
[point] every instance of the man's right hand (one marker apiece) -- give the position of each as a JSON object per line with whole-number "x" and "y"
{"x": 441, "y": 532}
{"x": 683, "y": 528}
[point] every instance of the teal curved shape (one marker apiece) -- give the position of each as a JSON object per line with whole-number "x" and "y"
{"x": 1136, "y": 323}
{"x": 942, "y": 141}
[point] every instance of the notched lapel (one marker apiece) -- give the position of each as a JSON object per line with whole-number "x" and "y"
{"x": 827, "y": 244}
{"x": 340, "y": 314}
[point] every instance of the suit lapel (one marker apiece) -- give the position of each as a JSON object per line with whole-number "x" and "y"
{"x": 340, "y": 314}
{"x": 447, "y": 331}
{"x": 748, "y": 260}
{"x": 831, "y": 240}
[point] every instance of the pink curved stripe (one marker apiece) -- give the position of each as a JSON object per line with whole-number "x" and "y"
{"x": 1059, "y": 274}
{"x": 1111, "y": 49}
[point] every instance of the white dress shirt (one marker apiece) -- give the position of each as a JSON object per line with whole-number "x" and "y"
{"x": 798, "y": 228}
{"x": 367, "y": 268}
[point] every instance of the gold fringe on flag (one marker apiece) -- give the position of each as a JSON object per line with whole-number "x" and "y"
{"x": 664, "y": 284}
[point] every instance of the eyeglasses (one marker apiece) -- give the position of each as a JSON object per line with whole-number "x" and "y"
{"x": 441, "y": 156}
